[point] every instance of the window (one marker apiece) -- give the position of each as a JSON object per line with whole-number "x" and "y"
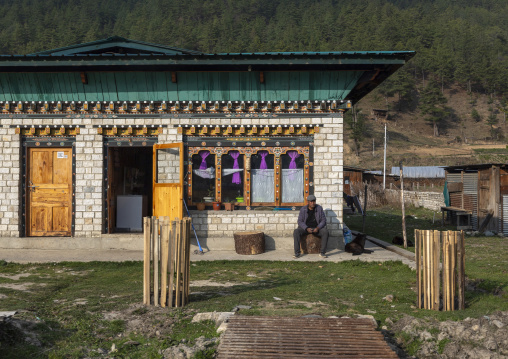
{"x": 250, "y": 176}
{"x": 203, "y": 177}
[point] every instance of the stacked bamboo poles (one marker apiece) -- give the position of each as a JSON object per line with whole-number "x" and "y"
{"x": 166, "y": 267}
{"x": 427, "y": 253}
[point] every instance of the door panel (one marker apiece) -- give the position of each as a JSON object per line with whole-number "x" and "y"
{"x": 49, "y": 192}
{"x": 168, "y": 180}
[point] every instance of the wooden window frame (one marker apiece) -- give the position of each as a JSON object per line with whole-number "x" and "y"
{"x": 248, "y": 152}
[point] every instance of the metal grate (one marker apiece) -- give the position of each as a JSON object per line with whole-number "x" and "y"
{"x": 275, "y": 337}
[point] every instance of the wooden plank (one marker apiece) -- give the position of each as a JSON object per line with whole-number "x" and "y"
{"x": 453, "y": 269}
{"x": 445, "y": 270}
{"x": 156, "y": 246}
{"x": 435, "y": 274}
{"x": 462, "y": 273}
{"x": 146, "y": 260}
{"x": 172, "y": 244}
{"x": 164, "y": 260}
{"x": 418, "y": 269}
{"x": 178, "y": 261}
{"x": 186, "y": 239}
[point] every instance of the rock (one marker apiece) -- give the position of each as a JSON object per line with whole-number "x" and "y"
{"x": 182, "y": 351}
{"x": 367, "y": 316}
{"x": 425, "y": 335}
{"x": 491, "y": 344}
{"x": 488, "y": 234}
{"x": 7, "y": 314}
{"x": 222, "y": 327}
{"x": 277, "y": 298}
{"x": 388, "y": 321}
{"x": 497, "y": 323}
{"x": 223, "y": 317}
{"x": 388, "y": 298}
{"x": 475, "y": 327}
{"x": 217, "y": 317}
{"x": 238, "y": 307}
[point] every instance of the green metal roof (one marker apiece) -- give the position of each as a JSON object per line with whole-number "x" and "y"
{"x": 116, "y": 45}
{"x": 119, "y": 69}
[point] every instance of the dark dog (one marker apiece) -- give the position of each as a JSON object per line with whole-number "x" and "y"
{"x": 400, "y": 241}
{"x": 357, "y": 246}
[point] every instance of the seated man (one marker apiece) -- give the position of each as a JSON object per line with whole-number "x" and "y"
{"x": 311, "y": 220}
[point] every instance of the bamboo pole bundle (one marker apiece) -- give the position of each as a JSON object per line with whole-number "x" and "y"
{"x": 166, "y": 267}
{"x": 430, "y": 248}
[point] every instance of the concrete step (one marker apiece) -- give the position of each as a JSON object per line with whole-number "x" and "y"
{"x": 135, "y": 242}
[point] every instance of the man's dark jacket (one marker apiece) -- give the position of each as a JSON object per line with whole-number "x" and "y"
{"x": 320, "y": 217}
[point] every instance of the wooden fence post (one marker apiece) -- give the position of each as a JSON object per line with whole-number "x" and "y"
{"x": 147, "y": 229}
{"x": 428, "y": 246}
{"x": 166, "y": 252}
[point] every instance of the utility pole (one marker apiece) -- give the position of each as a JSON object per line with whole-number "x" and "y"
{"x": 384, "y": 165}
{"x": 402, "y": 202}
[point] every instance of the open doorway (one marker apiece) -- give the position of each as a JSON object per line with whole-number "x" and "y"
{"x": 129, "y": 188}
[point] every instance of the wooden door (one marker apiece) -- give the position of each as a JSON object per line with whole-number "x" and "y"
{"x": 49, "y": 192}
{"x": 168, "y": 180}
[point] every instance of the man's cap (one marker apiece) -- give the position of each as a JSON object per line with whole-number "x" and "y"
{"x": 311, "y": 198}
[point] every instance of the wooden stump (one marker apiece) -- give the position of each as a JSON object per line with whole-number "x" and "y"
{"x": 249, "y": 242}
{"x": 310, "y": 244}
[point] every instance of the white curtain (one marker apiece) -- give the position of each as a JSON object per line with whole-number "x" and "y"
{"x": 292, "y": 185}
{"x": 262, "y": 182}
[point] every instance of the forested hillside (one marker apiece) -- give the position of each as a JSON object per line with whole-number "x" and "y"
{"x": 462, "y": 45}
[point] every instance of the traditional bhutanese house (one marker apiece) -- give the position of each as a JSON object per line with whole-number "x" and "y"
{"x": 478, "y": 196}
{"x": 260, "y": 130}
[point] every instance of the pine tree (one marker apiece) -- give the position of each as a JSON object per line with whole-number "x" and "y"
{"x": 433, "y": 105}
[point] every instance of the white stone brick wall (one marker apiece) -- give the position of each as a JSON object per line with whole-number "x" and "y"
{"x": 9, "y": 181}
{"x": 327, "y": 169}
{"x": 89, "y": 183}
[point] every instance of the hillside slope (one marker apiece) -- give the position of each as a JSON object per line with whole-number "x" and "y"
{"x": 462, "y": 139}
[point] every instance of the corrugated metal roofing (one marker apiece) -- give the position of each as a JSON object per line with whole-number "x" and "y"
{"x": 420, "y": 172}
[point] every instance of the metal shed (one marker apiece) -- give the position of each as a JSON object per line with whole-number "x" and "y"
{"x": 483, "y": 191}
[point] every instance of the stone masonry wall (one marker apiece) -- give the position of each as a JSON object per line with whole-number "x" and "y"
{"x": 327, "y": 169}
{"x": 9, "y": 179}
{"x": 429, "y": 200}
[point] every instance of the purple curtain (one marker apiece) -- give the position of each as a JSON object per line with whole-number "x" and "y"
{"x": 236, "y": 175}
{"x": 263, "y": 154}
{"x": 294, "y": 155}
{"x": 204, "y": 155}
{"x": 292, "y": 165}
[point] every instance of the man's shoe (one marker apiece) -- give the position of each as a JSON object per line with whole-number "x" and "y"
{"x": 323, "y": 255}
{"x": 296, "y": 256}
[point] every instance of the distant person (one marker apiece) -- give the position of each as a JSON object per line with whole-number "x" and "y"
{"x": 349, "y": 201}
{"x": 311, "y": 220}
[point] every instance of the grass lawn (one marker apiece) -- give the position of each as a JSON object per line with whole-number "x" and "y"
{"x": 386, "y": 223}
{"x": 78, "y": 310}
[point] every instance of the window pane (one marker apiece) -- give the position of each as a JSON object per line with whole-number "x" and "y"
{"x": 203, "y": 176}
{"x": 262, "y": 177}
{"x": 292, "y": 180}
{"x": 232, "y": 177}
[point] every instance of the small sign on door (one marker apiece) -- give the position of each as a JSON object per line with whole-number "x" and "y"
{"x": 61, "y": 155}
